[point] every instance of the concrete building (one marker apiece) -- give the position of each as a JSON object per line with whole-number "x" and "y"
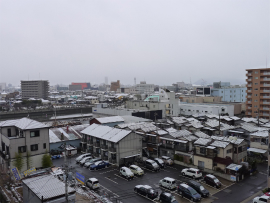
{"x": 143, "y": 88}
{"x": 194, "y": 99}
{"x": 38, "y": 89}
{"x": 115, "y": 85}
{"x": 192, "y": 109}
{"x": 258, "y": 93}
{"x": 163, "y": 100}
{"x": 75, "y": 87}
{"x": 113, "y": 144}
{"x": 230, "y": 94}
{"x": 2, "y": 86}
{"x": 23, "y": 135}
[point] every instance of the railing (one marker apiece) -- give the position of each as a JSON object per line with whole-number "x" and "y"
{"x": 249, "y": 85}
{"x": 167, "y": 146}
{"x": 266, "y": 90}
{"x": 249, "y": 96}
{"x": 249, "y": 74}
{"x": 249, "y": 113}
{"x": 249, "y": 107}
{"x": 181, "y": 148}
{"x": 90, "y": 142}
{"x": 83, "y": 140}
{"x": 266, "y": 85}
{"x": 264, "y": 108}
{"x": 266, "y": 102}
{"x": 105, "y": 158}
{"x": 266, "y": 97}
{"x": 97, "y": 144}
{"x": 248, "y": 79}
{"x": 249, "y": 102}
{"x": 104, "y": 146}
{"x": 266, "y": 73}
{"x": 266, "y": 79}
{"x": 112, "y": 149}
{"x": 249, "y": 91}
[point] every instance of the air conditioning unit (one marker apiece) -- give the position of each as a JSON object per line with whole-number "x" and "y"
{"x": 4, "y": 152}
{"x": 7, "y": 156}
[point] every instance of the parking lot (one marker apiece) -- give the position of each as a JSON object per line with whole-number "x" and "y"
{"x": 117, "y": 187}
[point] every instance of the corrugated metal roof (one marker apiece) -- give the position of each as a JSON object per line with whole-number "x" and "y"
{"x": 111, "y": 119}
{"x": 220, "y": 144}
{"x": 202, "y": 141}
{"x": 47, "y": 186}
{"x": 260, "y": 134}
{"x": 24, "y": 124}
{"x": 201, "y": 134}
{"x": 106, "y": 132}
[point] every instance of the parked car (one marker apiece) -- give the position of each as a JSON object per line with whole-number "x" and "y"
{"x": 186, "y": 191}
{"x": 136, "y": 170}
{"x": 169, "y": 183}
{"x": 192, "y": 172}
{"x": 166, "y": 197}
{"x": 146, "y": 190}
{"x": 91, "y": 161}
{"x": 198, "y": 187}
{"x": 92, "y": 183}
{"x": 84, "y": 160}
{"x": 212, "y": 180}
{"x": 167, "y": 160}
{"x": 267, "y": 193}
{"x": 126, "y": 172}
{"x": 152, "y": 165}
{"x": 79, "y": 158}
{"x": 261, "y": 199}
{"x": 159, "y": 162}
{"x": 99, "y": 165}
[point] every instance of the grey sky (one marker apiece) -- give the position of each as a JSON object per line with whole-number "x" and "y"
{"x": 161, "y": 42}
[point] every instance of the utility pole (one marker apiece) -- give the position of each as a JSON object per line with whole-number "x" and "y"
{"x": 157, "y": 132}
{"x": 219, "y": 121}
{"x": 66, "y": 173}
{"x": 258, "y": 117}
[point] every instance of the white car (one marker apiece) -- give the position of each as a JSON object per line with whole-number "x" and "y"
{"x": 192, "y": 172}
{"x": 79, "y": 158}
{"x": 261, "y": 199}
{"x": 136, "y": 170}
{"x": 126, "y": 172}
{"x": 167, "y": 182}
{"x": 92, "y": 183}
{"x": 84, "y": 160}
{"x": 167, "y": 160}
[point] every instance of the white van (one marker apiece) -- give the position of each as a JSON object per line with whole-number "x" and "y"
{"x": 167, "y": 182}
{"x": 192, "y": 172}
{"x": 79, "y": 158}
{"x": 126, "y": 172}
{"x": 92, "y": 183}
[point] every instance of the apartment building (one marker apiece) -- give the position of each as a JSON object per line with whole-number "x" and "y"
{"x": 115, "y": 145}
{"x": 258, "y": 93}
{"x": 22, "y": 136}
{"x": 115, "y": 85}
{"x": 38, "y": 89}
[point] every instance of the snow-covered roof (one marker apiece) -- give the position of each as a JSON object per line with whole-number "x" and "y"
{"x": 252, "y": 128}
{"x": 180, "y": 133}
{"x": 227, "y": 118}
{"x": 225, "y": 126}
{"x": 202, "y": 141}
{"x": 261, "y": 151}
{"x": 47, "y": 186}
{"x": 111, "y": 119}
{"x": 260, "y": 134}
{"x": 170, "y": 130}
{"x": 24, "y": 124}
{"x": 106, "y": 132}
{"x": 235, "y": 118}
{"x": 212, "y": 123}
{"x": 179, "y": 120}
{"x": 220, "y": 144}
{"x": 246, "y": 119}
{"x": 196, "y": 124}
{"x": 234, "y": 167}
{"x": 53, "y": 137}
{"x": 161, "y": 132}
{"x": 201, "y": 134}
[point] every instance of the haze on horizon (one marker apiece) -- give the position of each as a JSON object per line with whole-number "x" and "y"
{"x": 161, "y": 42}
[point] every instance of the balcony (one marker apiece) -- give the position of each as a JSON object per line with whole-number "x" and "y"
{"x": 249, "y": 80}
{"x": 249, "y": 85}
{"x": 249, "y": 90}
{"x": 266, "y": 97}
{"x": 83, "y": 140}
{"x": 104, "y": 147}
{"x": 266, "y": 79}
{"x": 266, "y": 90}
{"x": 248, "y": 96}
{"x": 90, "y": 142}
{"x": 249, "y": 107}
{"x": 167, "y": 146}
{"x": 248, "y": 113}
{"x": 97, "y": 144}
{"x": 265, "y": 108}
{"x": 105, "y": 158}
{"x": 181, "y": 148}
{"x": 112, "y": 149}
{"x": 266, "y": 85}
{"x": 248, "y": 74}
{"x": 112, "y": 161}
{"x": 266, "y": 73}
{"x": 266, "y": 102}
{"x": 249, "y": 102}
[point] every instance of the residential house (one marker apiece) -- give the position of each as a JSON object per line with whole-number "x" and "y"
{"x": 111, "y": 121}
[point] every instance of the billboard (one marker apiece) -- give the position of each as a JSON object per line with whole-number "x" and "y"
{"x": 80, "y": 178}
{"x": 203, "y": 91}
{"x": 16, "y": 173}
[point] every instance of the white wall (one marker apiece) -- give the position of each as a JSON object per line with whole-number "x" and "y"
{"x": 191, "y": 109}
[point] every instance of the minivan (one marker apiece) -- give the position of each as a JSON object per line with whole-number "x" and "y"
{"x": 126, "y": 172}
{"x": 186, "y": 191}
{"x": 198, "y": 187}
{"x": 168, "y": 183}
{"x": 167, "y": 160}
{"x": 166, "y": 197}
{"x": 160, "y": 162}
{"x": 212, "y": 180}
{"x": 150, "y": 164}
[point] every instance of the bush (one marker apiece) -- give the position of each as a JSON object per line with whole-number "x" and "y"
{"x": 46, "y": 161}
{"x": 178, "y": 158}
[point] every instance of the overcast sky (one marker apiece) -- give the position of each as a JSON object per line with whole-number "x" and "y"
{"x": 162, "y": 42}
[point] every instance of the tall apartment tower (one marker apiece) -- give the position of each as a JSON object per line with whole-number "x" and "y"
{"x": 258, "y": 93}
{"x": 38, "y": 89}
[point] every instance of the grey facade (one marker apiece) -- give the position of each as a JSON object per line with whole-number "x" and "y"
{"x": 23, "y": 135}
{"x": 38, "y": 89}
{"x": 111, "y": 144}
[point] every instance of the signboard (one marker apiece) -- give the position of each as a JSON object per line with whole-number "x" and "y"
{"x": 199, "y": 91}
{"x": 206, "y": 91}
{"x": 203, "y": 91}
{"x": 16, "y": 174}
{"x": 233, "y": 178}
{"x": 80, "y": 178}
{"x": 26, "y": 173}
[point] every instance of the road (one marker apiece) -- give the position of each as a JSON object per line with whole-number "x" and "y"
{"x": 117, "y": 187}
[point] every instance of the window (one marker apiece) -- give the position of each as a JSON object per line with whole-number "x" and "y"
{"x": 229, "y": 151}
{"x": 9, "y": 132}
{"x": 256, "y": 72}
{"x": 202, "y": 150}
{"x": 256, "y": 95}
{"x": 154, "y": 106}
{"x": 34, "y": 133}
{"x": 255, "y": 84}
{"x": 256, "y": 77}
{"x": 44, "y": 145}
{"x": 240, "y": 149}
{"x": 34, "y": 147}
{"x": 221, "y": 91}
{"x": 22, "y": 149}
{"x": 255, "y": 100}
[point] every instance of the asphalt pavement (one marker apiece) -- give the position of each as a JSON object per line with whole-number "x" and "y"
{"x": 118, "y": 188}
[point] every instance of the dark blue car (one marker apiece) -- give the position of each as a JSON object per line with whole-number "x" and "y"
{"x": 186, "y": 191}
{"x": 98, "y": 165}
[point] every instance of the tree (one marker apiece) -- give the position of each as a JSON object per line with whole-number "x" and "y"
{"x": 46, "y": 160}
{"x": 18, "y": 162}
{"x": 28, "y": 160}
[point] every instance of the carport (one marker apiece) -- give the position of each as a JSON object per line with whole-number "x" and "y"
{"x": 129, "y": 159}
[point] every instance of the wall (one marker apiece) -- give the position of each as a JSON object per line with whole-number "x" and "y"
{"x": 116, "y": 112}
{"x": 191, "y": 109}
{"x": 208, "y": 163}
{"x": 76, "y": 143}
{"x": 258, "y": 145}
{"x": 231, "y": 94}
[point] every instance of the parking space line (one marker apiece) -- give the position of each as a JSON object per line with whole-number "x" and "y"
{"x": 110, "y": 190}
{"x": 153, "y": 200}
{"x": 108, "y": 171}
{"x": 111, "y": 180}
{"x": 148, "y": 169}
{"x": 121, "y": 177}
{"x": 171, "y": 167}
{"x": 210, "y": 185}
